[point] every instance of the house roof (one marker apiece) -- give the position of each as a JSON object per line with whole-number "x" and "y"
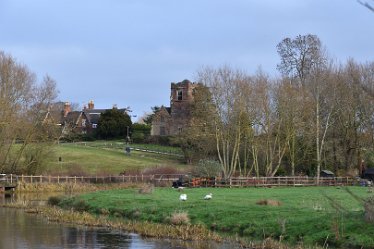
{"x": 328, "y": 172}
{"x": 99, "y": 111}
{"x": 93, "y": 118}
{"x": 72, "y": 117}
{"x": 93, "y": 115}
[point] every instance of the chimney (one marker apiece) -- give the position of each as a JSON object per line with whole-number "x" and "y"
{"x": 90, "y": 105}
{"x": 67, "y": 108}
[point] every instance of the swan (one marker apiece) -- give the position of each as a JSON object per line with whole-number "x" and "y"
{"x": 183, "y": 197}
{"x": 208, "y": 197}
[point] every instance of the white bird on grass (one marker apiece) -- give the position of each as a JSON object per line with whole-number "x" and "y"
{"x": 208, "y": 197}
{"x": 183, "y": 197}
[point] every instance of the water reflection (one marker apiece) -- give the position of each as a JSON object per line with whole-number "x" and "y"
{"x": 20, "y": 230}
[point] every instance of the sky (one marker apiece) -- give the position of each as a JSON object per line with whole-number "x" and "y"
{"x": 127, "y": 52}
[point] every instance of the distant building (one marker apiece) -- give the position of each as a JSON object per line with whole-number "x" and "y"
{"x": 78, "y": 122}
{"x": 174, "y": 119}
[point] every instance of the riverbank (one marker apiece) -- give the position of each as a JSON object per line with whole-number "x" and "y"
{"x": 145, "y": 229}
{"x": 187, "y": 232}
{"x": 255, "y": 217}
{"x": 296, "y": 216}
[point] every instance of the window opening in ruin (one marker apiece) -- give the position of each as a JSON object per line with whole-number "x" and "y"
{"x": 179, "y": 94}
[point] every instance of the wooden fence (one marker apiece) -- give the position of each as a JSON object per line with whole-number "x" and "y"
{"x": 285, "y": 181}
{"x": 167, "y": 180}
{"x": 158, "y": 180}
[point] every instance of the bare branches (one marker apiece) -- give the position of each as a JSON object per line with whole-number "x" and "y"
{"x": 366, "y": 4}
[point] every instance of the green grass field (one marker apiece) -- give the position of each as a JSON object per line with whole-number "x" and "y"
{"x": 104, "y": 158}
{"x": 306, "y": 214}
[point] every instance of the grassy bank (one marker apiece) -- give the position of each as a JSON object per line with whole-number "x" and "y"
{"x": 307, "y": 216}
{"x": 103, "y": 159}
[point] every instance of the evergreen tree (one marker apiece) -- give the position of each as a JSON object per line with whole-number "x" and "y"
{"x": 113, "y": 124}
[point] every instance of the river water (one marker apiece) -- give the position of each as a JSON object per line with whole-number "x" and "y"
{"x": 21, "y": 230}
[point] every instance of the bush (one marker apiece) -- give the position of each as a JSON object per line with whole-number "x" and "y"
{"x": 54, "y": 200}
{"x": 146, "y": 189}
{"x": 81, "y": 206}
{"x": 161, "y": 140}
{"x": 268, "y": 202}
{"x": 165, "y": 170}
{"x": 138, "y": 137}
{"x": 179, "y": 218}
{"x": 208, "y": 168}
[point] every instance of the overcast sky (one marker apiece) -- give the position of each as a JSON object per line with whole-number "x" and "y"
{"x": 127, "y": 52}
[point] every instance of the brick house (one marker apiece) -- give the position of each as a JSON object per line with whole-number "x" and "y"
{"x": 78, "y": 122}
{"x": 172, "y": 120}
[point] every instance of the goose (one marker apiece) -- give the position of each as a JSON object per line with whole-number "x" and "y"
{"x": 183, "y": 197}
{"x": 208, "y": 197}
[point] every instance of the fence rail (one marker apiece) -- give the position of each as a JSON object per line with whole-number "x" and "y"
{"x": 184, "y": 180}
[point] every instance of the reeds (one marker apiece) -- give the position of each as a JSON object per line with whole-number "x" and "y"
{"x": 24, "y": 187}
{"x": 184, "y": 232}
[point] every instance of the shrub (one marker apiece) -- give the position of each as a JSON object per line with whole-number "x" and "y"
{"x": 146, "y": 189}
{"x": 54, "y": 200}
{"x": 81, "y": 206}
{"x": 164, "y": 170}
{"x": 179, "y": 218}
{"x": 208, "y": 168}
{"x": 268, "y": 202}
{"x": 75, "y": 170}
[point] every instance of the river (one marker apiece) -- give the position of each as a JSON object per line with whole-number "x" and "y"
{"x": 21, "y": 230}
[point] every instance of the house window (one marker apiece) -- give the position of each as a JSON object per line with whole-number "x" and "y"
{"x": 179, "y": 94}
{"x": 162, "y": 131}
{"x": 83, "y": 123}
{"x": 94, "y": 126}
{"x": 180, "y": 130}
{"x": 162, "y": 119}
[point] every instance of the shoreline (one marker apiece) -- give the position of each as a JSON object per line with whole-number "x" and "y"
{"x": 144, "y": 228}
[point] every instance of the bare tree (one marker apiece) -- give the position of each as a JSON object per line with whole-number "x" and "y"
{"x": 303, "y": 60}
{"x": 24, "y": 105}
{"x": 228, "y": 99}
{"x": 300, "y": 56}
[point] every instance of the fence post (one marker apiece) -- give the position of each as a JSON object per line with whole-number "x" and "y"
{"x": 75, "y": 179}
{"x": 230, "y": 182}
{"x": 11, "y": 178}
{"x": 41, "y": 179}
{"x": 58, "y": 179}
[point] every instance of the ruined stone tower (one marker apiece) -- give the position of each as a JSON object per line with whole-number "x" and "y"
{"x": 174, "y": 119}
{"x": 180, "y": 105}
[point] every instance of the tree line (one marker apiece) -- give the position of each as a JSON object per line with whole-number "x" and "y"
{"x": 318, "y": 114}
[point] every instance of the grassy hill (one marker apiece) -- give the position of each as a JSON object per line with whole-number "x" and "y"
{"x": 103, "y": 158}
